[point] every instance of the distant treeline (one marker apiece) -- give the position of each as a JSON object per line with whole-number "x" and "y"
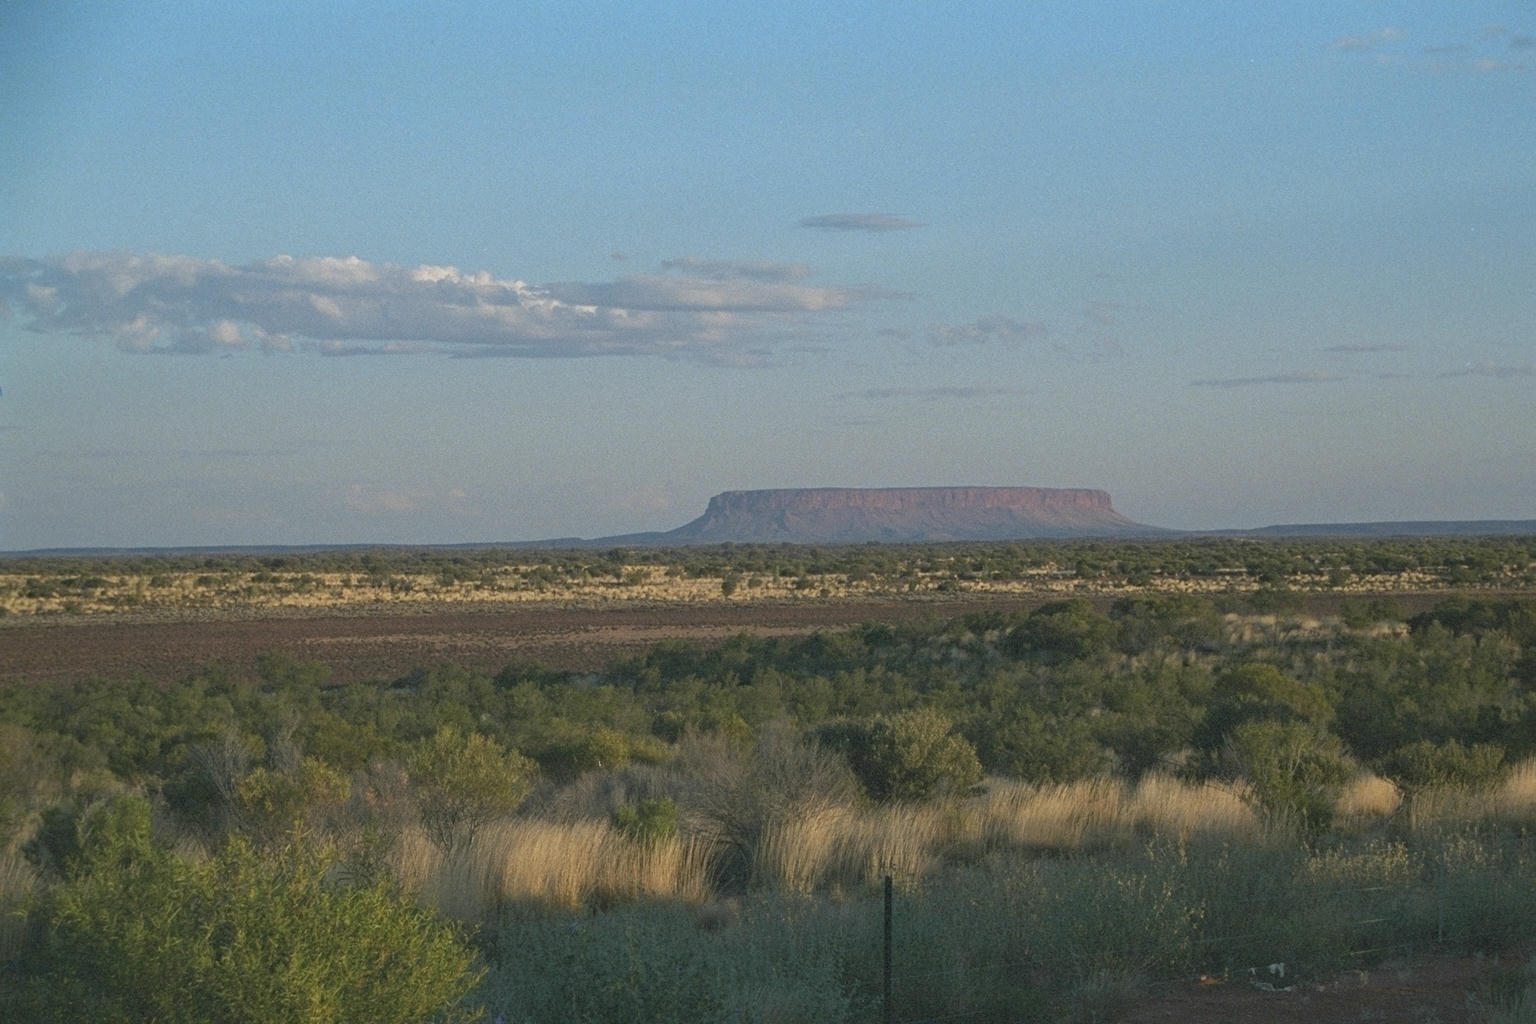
{"x": 1457, "y": 560}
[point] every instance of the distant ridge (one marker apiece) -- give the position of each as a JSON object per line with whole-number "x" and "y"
{"x": 845, "y": 515}
{"x": 1408, "y": 528}
{"x": 850, "y": 515}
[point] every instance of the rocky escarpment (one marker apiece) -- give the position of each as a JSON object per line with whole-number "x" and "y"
{"x": 845, "y": 515}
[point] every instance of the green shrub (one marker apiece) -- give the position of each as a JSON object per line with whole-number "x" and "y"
{"x": 648, "y": 822}
{"x": 275, "y": 806}
{"x": 135, "y": 933}
{"x": 463, "y": 782}
{"x": 1295, "y": 769}
{"x": 911, "y": 755}
{"x": 1062, "y": 630}
{"x": 1424, "y": 764}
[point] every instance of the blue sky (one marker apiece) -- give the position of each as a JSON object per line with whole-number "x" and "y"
{"x": 411, "y": 273}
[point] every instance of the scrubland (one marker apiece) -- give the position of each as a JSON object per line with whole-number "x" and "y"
{"x": 1075, "y": 802}
{"x": 375, "y": 579}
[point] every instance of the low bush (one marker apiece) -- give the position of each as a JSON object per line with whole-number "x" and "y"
{"x": 135, "y": 933}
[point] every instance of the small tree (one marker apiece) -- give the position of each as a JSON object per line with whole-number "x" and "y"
{"x": 274, "y": 807}
{"x": 908, "y": 756}
{"x": 1296, "y": 771}
{"x": 463, "y": 782}
{"x": 1060, "y": 631}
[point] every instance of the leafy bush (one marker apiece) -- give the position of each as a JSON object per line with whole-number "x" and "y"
{"x": 1424, "y": 764}
{"x": 462, "y": 782}
{"x": 136, "y": 933}
{"x": 1065, "y": 630}
{"x": 1296, "y": 771}
{"x": 648, "y": 822}
{"x": 911, "y": 755}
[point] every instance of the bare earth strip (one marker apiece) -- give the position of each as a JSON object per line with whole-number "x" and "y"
{"x": 386, "y": 646}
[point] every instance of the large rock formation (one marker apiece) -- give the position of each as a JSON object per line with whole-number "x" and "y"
{"x": 845, "y": 515}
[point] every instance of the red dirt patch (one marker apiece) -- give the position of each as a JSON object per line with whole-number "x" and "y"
{"x": 382, "y": 646}
{"x": 1419, "y": 990}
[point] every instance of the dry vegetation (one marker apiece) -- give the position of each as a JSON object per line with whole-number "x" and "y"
{"x": 843, "y": 849}
{"x": 1234, "y": 755}
{"x": 639, "y": 584}
{"x": 396, "y": 580}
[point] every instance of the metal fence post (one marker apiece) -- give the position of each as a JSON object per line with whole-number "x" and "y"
{"x": 888, "y": 1008}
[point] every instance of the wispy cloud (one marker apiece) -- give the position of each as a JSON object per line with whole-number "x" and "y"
{"x": 935, "y": 394}
{"x": 1483, "y": 52}
{"x": 875, "y": 222}
{"x": 726, "y": 270}
{"x": 988, "y": 330}
{"x": 349, "y": 306}
{"x": 1370, "y": 41}
{"x": 1278, "y": 378}
{"x": 1501, "y": 372}
{"x": 1363, "y": 349}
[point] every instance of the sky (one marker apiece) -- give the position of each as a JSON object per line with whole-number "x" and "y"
{"x": 415, "y": 273}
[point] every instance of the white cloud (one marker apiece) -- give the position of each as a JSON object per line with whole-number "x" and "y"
{"x": 149, "y": 303}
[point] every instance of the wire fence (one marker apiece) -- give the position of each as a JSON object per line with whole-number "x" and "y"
{"x": 941, "y": 963}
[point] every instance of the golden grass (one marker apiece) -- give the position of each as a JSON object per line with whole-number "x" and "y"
{"x": 1515, "y": 799}
{"x": 564, "y": 865}
{"x": 844, "y": 847}
{"x": 1366, "y": 800}
{"x": 1096, "y": 812}
{"x": 1512, "y": 802}
{"x": 847, "y": 847}
{"x": 837, "y": 848}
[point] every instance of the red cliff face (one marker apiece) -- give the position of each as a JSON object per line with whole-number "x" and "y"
{"x": 839, "y": 515}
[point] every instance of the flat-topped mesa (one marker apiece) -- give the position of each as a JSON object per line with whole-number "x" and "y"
{"x": 848, "y": 515}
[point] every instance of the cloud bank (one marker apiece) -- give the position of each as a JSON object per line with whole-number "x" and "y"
{"x": 703, "y": 309}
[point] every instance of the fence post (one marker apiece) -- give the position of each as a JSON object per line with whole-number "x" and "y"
{"x": 1441, "y": 872}
{"x": 888, "y": 1008}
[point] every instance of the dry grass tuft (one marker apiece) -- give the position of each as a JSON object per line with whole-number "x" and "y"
{"x": 565, "y": 865}
{"x": 1515, "y": 799}
{"x": 1101, "y": 812}
{"x": 1167, "y": 806}
{"x": 1367, "y": 800}
{"x": 1512, "y": 802}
